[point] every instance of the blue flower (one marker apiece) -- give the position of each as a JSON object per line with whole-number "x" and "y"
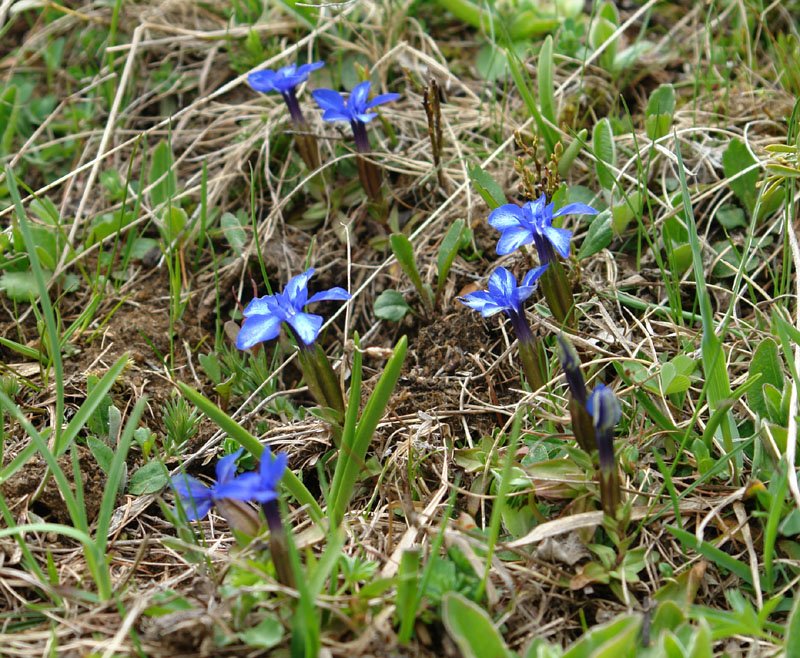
{"x": 197, "y": 499}
{"x": 262, "y": 486}
{"x": 284, "y": 80}
{"x": 604, "y": 408}
{"x": 263, "y": 315}
{"x": 354, "y": 109}
{"x": 503, "y": 293}
{"x": 533, "y": 222}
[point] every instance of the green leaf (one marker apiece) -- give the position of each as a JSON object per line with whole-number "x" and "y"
{"x": 234, "y": 232}
{"x": 356, "y": 442}
{"x": 605, "y": 151}
{"x": 161, "y": 166}
{"x": 545, "y": 73}
{"x": 662, "y": 101}
{"x": 792, "y": 635}
{"x": 731, "y": 217}
{"x": 175, "y": 219}
{"x": 487, "y": 187}
{"x": 142, "y": 246}
{"x": 767, "y": 363}
{"x": 735, "y": 159}
{"x": 602, "y": 30}
{"x": 8, "y": 118}
{"x": 19, "y": 286}
{"x": 150, "y": 478}
{"x": 102, "y": 453}
{"x": 404, "y": 252}
{"x": 447, "y": 252}
{"x": 391, "y": 305}
{"x": 471, "y": 628}
{"x": 266, "y": 634}
{"x": 615, "y": 639}
{"x": 598, "y": 237}
{"x": 712, "y": 553}
{"x": 626, "y": 210}
{"x": 406, "y": 598}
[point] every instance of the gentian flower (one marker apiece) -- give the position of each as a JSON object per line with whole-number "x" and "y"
{"x": 284, "y": 81}
{"x": 354, "y": 109}
{"x": 197, "y": 499}
{"x": 533, "y": 222}
{"x": 262, "y": 486}
{"x": 263, "y": 489}
{"x": 605, "y": 411}
{"x": 263, "y": 315}
{"x": 504, "y": 295}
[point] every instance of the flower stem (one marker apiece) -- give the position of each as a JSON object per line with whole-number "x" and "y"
{"x": 529, "y": 352}
{"x": 558, "y": 293}
{"x": 306, "y": 145}
{"x": 609, "y": 476}
{"x": 368, "y": 172}
{"x": 278, "y": 546}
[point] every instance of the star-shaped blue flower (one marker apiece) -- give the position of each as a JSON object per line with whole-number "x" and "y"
{"x": 354, "y": 109}
{"x": 197, "y": 499}
{"x": 533, "y": 222}
{"x": 503, "y": 293}
{"x": 263, "y": 486}
{"x": 263, "y": 315}
{"x": 284, "y": 80}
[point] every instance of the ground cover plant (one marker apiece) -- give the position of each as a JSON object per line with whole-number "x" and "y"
{"x": 507, "y": 367}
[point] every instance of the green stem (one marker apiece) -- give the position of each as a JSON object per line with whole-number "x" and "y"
{"x": 558, "y": 293}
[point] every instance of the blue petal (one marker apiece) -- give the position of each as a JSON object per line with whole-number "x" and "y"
{"x": 260, "y": 306}
{"x": 258, "y": 329}
{"x": 272, "y": 468}
{"x": 604, "y": 408}
{"x": 306, "y": 325}
{"x": 198, "y": 509}
{"x": 576, "y": 208}
{"x": 305, "y": 69}
{"x": 334, "y": 294}
{"x": 532, "y": 277}
{"x": 264, "y": 495}
{"x": 357, "y": 103}
{"x": 188, "y": 487}
{"x": 365, "y": 117}
{"x": 332, "y": 103}
{"x": 296, "y": 285}
{"x": 262, "y": 81}
{"x": 226, "y": 467}
{"x": 477, "y": 300}
{"x": 559, "y": 238}
{"x": 381, "y": 99}
{"x": 241, "y": 488}
{"x": 505, "y": 217}
{"x": 512, "y": 239}
{"x": 502, "y": 285}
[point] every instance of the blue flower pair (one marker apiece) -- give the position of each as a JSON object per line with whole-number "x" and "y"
{"x": 354, "y": 110}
